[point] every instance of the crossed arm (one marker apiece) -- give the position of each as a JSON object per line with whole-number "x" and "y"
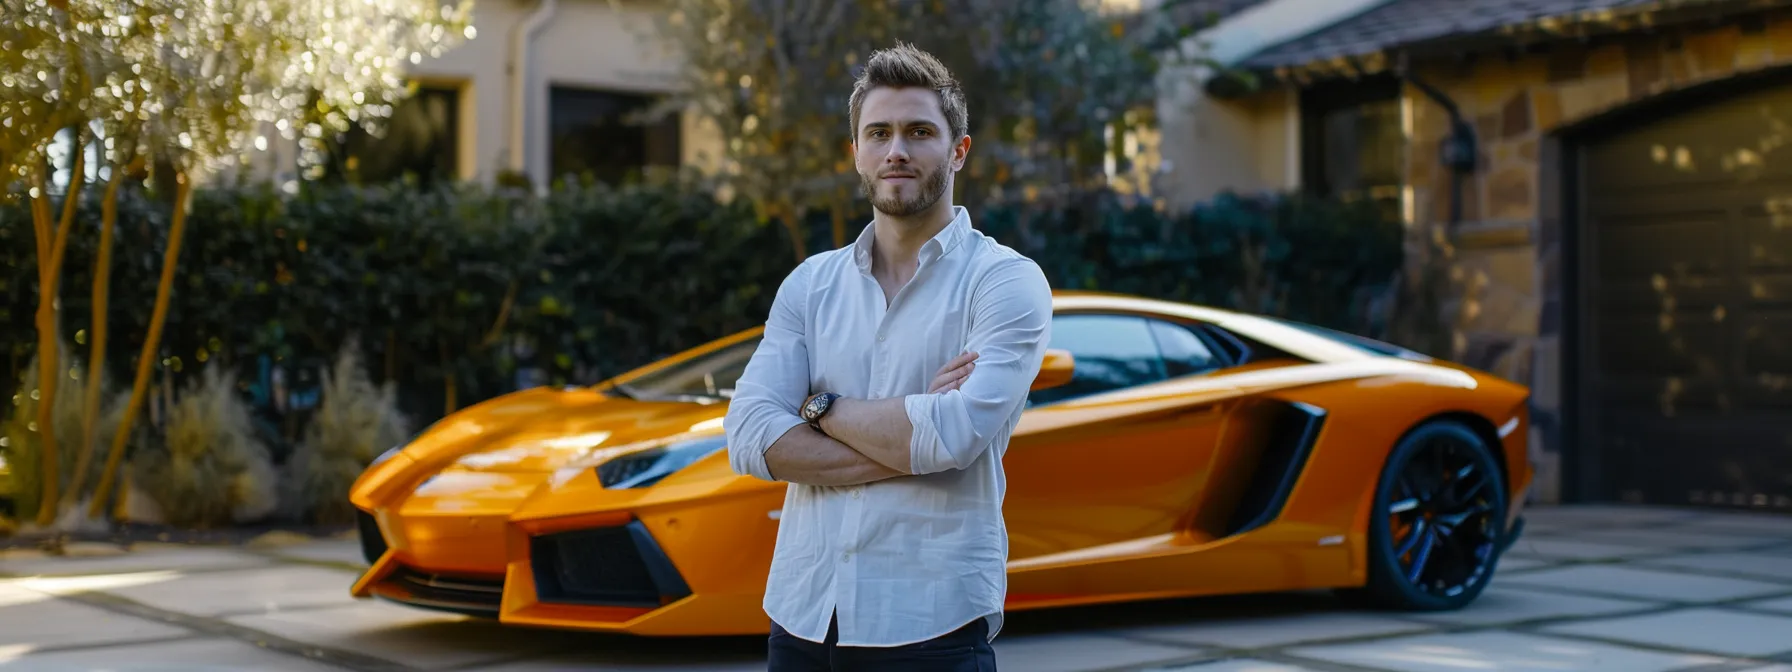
{"x": 862, "y": 440}
{"x": 805, "y": 455}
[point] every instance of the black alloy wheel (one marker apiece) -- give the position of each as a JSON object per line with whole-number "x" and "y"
{"x": 1435, "y": 535}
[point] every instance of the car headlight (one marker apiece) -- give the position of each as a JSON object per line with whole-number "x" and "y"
{"x": 642, "y": 469}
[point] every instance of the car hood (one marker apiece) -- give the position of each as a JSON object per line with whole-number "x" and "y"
{"x": 539, "y": 430}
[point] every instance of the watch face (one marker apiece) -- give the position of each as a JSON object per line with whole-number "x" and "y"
{"x": 817, "y": 405}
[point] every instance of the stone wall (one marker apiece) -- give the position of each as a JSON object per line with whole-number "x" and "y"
{"x": 1503, "y": 300}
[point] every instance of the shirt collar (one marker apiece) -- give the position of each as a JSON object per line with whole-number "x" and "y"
{"x": 939, "y": 246}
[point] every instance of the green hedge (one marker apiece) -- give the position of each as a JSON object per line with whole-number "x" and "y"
{"x": 593, "y": 280}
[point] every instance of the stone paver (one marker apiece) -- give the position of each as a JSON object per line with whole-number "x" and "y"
{"x": 1636, "y": 589}
{"x": 608, "y": 663}
{"x": 345, "y": 552}
{"x": 612, "y": 653}
{"x": 1688, "y": 539}
{"x": 50, "y": 623}
{"x": 1502, "y": 604}
{"x": 12, "y": 595}
{"x": 1748, "y": 565}
{"x": 96, "y": 583}
{"x": 1622, "y": 581}
{"x": 1719, "y": 631}
{"x": 568, "y": 665}
{"x": 186, "y": 655}
{"x": 1547, "y": 548}
{"x": 1071, "y": 652}
{"x": 245, "y": 591}
{"x": 1774, "y": 525}
{"x": 1252, "y": 633}
{"x": 1780, "y": 605}
{"x": 145, "y": 557}
{"x": 1503, "y": 651}
{"x": 1610, "y": 515}
{"x": 1782, "y": 550}
{"x": 1513, "y": 563}
{"x": 411, "y": 636}
{"x": 1239, "y": 665}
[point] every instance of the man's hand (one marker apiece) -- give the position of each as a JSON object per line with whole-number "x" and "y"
{"x": 952, "y": 375}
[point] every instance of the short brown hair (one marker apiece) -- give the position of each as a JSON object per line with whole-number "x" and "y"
{"x": 907, "y": 66}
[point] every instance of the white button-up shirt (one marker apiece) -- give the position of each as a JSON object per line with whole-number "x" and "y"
{"x": 913, "y": 557}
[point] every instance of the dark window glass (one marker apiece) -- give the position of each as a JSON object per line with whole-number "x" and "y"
{"x": 1353, "y": 143}
{"x": 1184, "y": 352}
{"x": 420, "y": 141}
{"x": 1112, "y": 352}
{"x": 608, "y": 135}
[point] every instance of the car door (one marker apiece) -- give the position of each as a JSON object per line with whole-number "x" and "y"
{"x": 1117, "y": 456}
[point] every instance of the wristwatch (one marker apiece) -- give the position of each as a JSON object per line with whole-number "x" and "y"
{"x": 817, "y": 406}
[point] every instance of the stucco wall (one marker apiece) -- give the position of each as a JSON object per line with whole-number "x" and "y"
{"x": 1503, "y": 302}
{"x": 1209, "y": 145}
{"x": 587, "y": 43}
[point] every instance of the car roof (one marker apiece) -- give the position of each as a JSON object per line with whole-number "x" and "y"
{"x": 1292, "y": 339}
{"x": 1085, "y": 299}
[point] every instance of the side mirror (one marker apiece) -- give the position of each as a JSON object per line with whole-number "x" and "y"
{"x": 1057, "y": 369}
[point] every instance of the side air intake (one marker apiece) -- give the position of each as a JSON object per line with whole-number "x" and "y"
{"x": 1293, "y": 431}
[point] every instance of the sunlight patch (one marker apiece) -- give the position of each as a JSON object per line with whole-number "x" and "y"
{"x": 102, "y": 582}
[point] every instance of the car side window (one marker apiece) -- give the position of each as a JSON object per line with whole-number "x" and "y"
{"x": 1112, "y": 352}
{"x": 1184, "y": 352}
{"x": 1115, "y": 352}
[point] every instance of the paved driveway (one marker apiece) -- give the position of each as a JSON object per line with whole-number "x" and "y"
{"x": 1587, "y": 588}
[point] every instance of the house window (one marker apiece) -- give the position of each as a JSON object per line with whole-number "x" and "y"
{"x": 1353, "y": 142}
{"x": 420, "y": 141}
{"x": 608, "y": 135}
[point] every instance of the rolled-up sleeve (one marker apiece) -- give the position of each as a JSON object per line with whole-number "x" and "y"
{"x": 1010, "y": 328}
{"x": 775, "y": 382}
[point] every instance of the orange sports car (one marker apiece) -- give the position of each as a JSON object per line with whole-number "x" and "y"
{"x": 1167, "y": 450}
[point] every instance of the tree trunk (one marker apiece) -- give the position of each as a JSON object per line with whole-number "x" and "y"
{"x": 146, "y": 359}
{"x": 49, "y": 367}
{"x": 96, "y": 358}
{"x": 787, "y": 214}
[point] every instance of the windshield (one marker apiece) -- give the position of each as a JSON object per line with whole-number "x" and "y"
{"x": 707, "y": 378}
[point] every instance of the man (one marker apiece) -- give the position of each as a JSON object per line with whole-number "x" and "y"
{"x": 890, "y": 378}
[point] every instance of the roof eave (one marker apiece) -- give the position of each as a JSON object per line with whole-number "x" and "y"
{"x": 1543, "y": 31}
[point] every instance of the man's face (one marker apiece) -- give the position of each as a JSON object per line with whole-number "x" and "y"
{"x": 904, "y": 151}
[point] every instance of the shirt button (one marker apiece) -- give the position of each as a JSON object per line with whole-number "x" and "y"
{"x": 846, "y": 557}
{"x": 855, "y": 494}
{"x": 880, "y": 338}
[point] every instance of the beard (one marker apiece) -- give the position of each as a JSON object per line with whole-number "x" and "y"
{"x": 933, "y": 186}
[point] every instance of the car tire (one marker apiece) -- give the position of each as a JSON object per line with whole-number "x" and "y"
{"x": 1430, "y": 509}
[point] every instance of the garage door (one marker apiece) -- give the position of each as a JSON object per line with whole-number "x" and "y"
{"x": 1687, "y": 305}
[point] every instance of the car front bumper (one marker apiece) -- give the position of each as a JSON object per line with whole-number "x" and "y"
{"x": 690, "y": 567}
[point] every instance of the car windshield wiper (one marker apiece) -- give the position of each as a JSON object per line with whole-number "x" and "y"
{"x": 625, "y": 392}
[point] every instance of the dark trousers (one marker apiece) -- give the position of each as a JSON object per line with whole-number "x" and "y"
{"x": 966, "y": 649}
